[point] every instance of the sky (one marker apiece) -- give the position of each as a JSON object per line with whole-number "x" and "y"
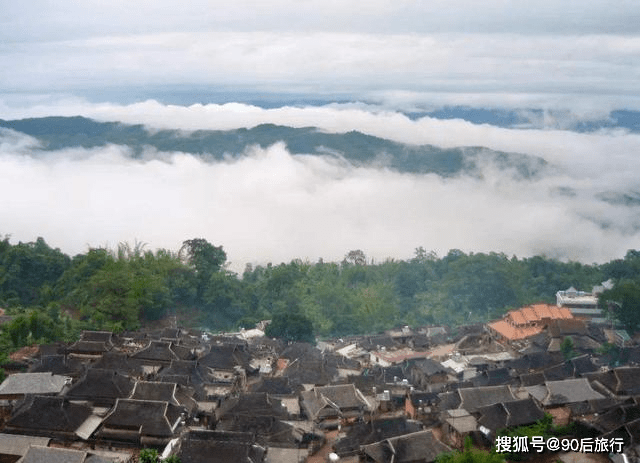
{"x": 338, "y": 66}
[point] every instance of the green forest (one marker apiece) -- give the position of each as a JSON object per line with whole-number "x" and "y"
{"x": 52, "y": 296}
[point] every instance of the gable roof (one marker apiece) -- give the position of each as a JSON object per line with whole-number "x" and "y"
{"x": 582, "y": 365}
{"x": 89, "y": 347}
{"x": 33, "y": 383}
{"x": 156, "y": 351}
{"x": 153, "y": 390}
{"x": 310, "y": 371}
{"x": 97, "y": 336}
{"x": 272, "y": 385}
{"x": 613, "y": 418}
{"x": 148, "y": 417}
{"x": 474, "y": 398}
{"x": 494, "y": 377}
{"x": 416, "y": 447}
{"x": 219, "y": 447}
{"x": 41, "y": 454}
{"x": 252, "y": 404}
{"x": 374, "y": 431}
{"x": 449, "y": 400}
{"x": 120, "y": 362}
{"x": 225, "y": 357}
{"x": 191, "y": 372}
{"x": 104, "y": 386}
{"x": 569, "y": 391}
{"x": 42, "y": 415}
{"x": 514, "y": 332}
{"x": 429, "y": 367}
{"x": 267, "y": 430}
{"x": 17, "y": 445}
{"x": 628, "y": 380}
{"x": 526, "y": 322}
{"x": 336, "y": 399}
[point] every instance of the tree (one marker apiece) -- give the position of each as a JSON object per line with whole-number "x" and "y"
{"x": 566, "y": 347}
{"x": 205, "y": 258}
{"x": 356, "y": 257}
{"x": 470, "y": 455}
{"x": 149, "y": 456}
{"x": 291, "y": 327}
{"x": 623, "y": 303}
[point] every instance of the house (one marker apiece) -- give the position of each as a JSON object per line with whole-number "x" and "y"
{"x": 494, "y": 377}
{"x": 386, "y": 358}
{"x": 328, "y": 405}
{"x": 164, "y": 392}
{"x": 156, "y": 353}
{"x": 251, "y": 404}
{"x": 492, "y": 418}
{"x": 621, "y": 381}
{"x": 121, "y": 363}
{"x": 15, "y": 446}
{"x": 142, "y": 422}
{"x": 526, "y": 322}
{"x": 59, "y": 364}
{"x": 427, "y": 371}
{"x": 564, "y": 392}
{"x": 476, "y": 397}
{"x": 54, "y": 417}
{"x": 92, "y": 344}
{"x": 372, "y": 431}
{"x": 583, "y": 304}
{"x": 458, "y": 424}
{"x": 101, "y": 387}
{"x": 268, "y": 430}
{"x": 18, "y": 385}
{"x": 42, "y": 454}
{"x": 187, "y": 373}
{"x": 417, "y": 447}
{"x": 219, "y": 447}
{"x": 418, "y": 404}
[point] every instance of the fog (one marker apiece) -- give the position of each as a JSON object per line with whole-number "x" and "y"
{"x": 270, "y": 206}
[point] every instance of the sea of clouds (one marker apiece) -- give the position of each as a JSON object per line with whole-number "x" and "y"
{"x": 271, "y": 206}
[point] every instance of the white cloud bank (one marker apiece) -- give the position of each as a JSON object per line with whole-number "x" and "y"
{"x": 594, "y": 71}
{"x": 272, "y": 207}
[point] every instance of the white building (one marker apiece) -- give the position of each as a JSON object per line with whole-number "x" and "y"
{"x": 582, "y": 304}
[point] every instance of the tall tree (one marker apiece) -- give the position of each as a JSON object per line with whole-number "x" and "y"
{"x": 623, "y": 303}
{"x": 205, "y": 258}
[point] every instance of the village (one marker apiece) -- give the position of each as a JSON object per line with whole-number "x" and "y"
{"x": 403, "y": 396}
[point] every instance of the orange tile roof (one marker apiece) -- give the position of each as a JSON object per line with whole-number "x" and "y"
{"x": 519, "y": 324}
{"x": 518, "y": 318}
{"x": 513, "y": 333}
{"x": 529, "y": 314}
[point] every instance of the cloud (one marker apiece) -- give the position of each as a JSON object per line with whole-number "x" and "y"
{"x": 42, "y": 20}
{"x": 558, "y": 69}
{"x": 270, "y": 206}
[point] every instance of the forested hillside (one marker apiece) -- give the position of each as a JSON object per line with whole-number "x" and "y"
{"x": 51, "y": 295}
{"x": 57, "y": 133}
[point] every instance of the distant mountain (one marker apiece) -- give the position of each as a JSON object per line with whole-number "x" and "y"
{"x": 536, "y": 118}
{"x": 359, "y": 149}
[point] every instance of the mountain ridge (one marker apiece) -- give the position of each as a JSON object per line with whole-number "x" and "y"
{"x": 359, "y": 149}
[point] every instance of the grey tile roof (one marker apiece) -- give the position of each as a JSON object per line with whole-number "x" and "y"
{"x": 41, "y": 415}
{"x": 569, "y": 391}
{"x": 152, "y": 418}
{"x": 218, "y": 447}
{"x": 33, "y": 383}
{"x": 16, "y": 444}
{"x": 38, "y": 454}
{"x": 474, "y": 398}
{"x": 417, "y": 447}
{"x": 101, "y": 386}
